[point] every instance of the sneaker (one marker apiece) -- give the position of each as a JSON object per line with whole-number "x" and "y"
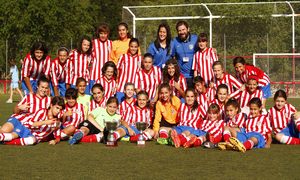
{"x": 209, "y": 145}
{"x": 222, "y": 146}
{"x": 9, "y": 101}
{"x": 190, "y": 142}
{"x": 225, "y": 146}
{"x": 162, "y": 141}
{"x": 125, "y": 139}
{"x": 76, "y": 138}
{"x": 230, "y": 146}
{"x": 237, "y": 144}
{"x": 175, "y": 138}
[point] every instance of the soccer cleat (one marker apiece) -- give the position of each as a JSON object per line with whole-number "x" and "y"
{"x": 125, "y": 139}
{"x": 190, "y": 142}
{"x": 209, "y": 145}
{"x": 76, "y": 138}
{"x": 162, "y": 141}
{"x": 222, "y": 146}
{"x": 9, "y": 101}
{"x": 226, "y": 146}
{"x": 237, "y": 144}
{"x": 229, "y": 146}
{"x": 175, "y": 138}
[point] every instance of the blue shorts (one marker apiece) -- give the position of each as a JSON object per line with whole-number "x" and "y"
{"x": 61, "y": 89}
{"x": 196, "y": 132}
{"x": 136, "y": 131}
{"x": 14, "y": 85}
{"x": 33, "y": 85}
{"x": 91, "y": 84}
{"x": 21, "y": 130}
{"x": 266, "y": 91}
{"x": 291, "y": 130}
{"x": 120, "y": 96}
{"x": 243, "y": 137}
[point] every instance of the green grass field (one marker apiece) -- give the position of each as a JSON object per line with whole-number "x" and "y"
{"x": 96, "y": 161}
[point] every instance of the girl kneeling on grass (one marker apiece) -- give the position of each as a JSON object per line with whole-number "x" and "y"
{"x": 256, "y": 132}
{"x": 42, "y": 124}
{"x": 73, "y": 114}
{"x": 285, "y": 126}
{"x": 139, "y": 113}
{"x": 233, "y": 121}
{"x": 190, "y": 115}
{"x": 210, "y": 130}
{"x": 92, "y": 130}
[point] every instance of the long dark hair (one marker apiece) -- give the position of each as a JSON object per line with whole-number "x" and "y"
{"x": 110, "y": 64}
{"x": 195, "y": 104}
{"x": 166, "y": 76}
{"x": 280, "y": 93}
{"x": 168, "y": 39}
{"x": 39, "y": 46}
{"x": 79, "y": 48}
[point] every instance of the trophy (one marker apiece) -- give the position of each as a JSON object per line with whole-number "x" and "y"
{"x": 111, "y": 127}
{"x": 141, "y": 126}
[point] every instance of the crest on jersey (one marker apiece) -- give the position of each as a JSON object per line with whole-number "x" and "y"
{"x": 259, "y": 123}
{"x": 18, "y": 130}
{"x": 191, "y": 46}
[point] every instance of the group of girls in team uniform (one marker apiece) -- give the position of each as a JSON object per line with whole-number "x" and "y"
{"x": 89, "y": 90}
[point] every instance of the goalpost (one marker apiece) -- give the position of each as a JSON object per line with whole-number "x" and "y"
{"x": 281, "y": 68}
{"x": 206, "y": 11}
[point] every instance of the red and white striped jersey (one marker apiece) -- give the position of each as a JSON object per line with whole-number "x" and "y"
{"x": 252, "y": 70}
{"x": 77, "y": 115}
{"x": 260, "y": 124}
{"x": 35, "y": 102}
{"x": 101, "y": 53}
{"x": 128, "y": 66}
{"x": 42, "y": 131}
{"x": 214, "y": 128}
{"x": 205, "y": 98}
{"x": 202, "y": 63}
{"x": 149, "y": 81}
{"x": 237, "y": 121}
{"x": 230, "y": 81}
{"x": 80, "y": 65}
{"x": 280, "y": 118}
{"x": 33, "y": 69}
{"x": 244, "y": 96}
{"x": 126, "y": 105}
{"x": 136, "y": 114}
{"x": 193, "y": 119}
{"x": 108, "y": 85}
{"x": 182, "y": 83}
{"x": 60, "y": 72}
{"x": 93, "y": 104}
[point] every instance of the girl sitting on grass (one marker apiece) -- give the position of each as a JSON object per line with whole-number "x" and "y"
{"x": 284, "y": 120}
{"x": 92, "y": 130}
{"x": 139, "y": 113}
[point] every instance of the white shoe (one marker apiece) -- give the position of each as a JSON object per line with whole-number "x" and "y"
{"x": 9, "y": 101}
